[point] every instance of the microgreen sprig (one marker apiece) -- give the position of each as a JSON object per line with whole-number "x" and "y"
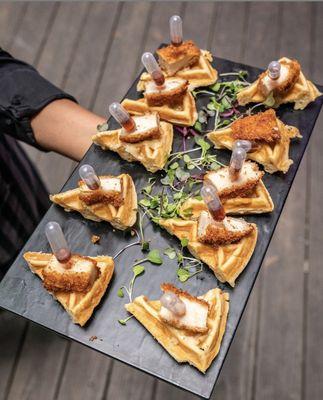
{"x": 187, "y": 267}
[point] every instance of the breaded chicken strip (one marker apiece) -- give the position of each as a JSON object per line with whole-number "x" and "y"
{"x": 171, "y": 93}
{"x": 110, "y": 192}
{"x": 289, "y": 73}
{"x": 230, "y": 231}
{"x": 77, "y": 275}
{"x": 262, "y": 126}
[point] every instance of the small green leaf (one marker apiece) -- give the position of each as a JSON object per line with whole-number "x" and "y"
{"x": 170, "y": 252}
{"x": 181, "y": 175}
{"x": 183, "y": 274}
{"x": 138, "y": 269}
{"x": 145, "y": 202}
{"x": 145, "y": 246}
{"x": 184, "y": 242}
{"x": 214, "y": 166}
{"x": 120, "y": 292}
{"x": 186, "y": 158}
{"x": 216, "y": 87}
{"x": 125, "y": 320}
{"x": 154, "y": 257}
{"x": 198, "y": 126}
{"x": 174, "y": 165}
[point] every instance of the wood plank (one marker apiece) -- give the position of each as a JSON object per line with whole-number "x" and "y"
{"x": 279, "y": 352}
{"x": 34, "y": 375}
{"x": 236, "y": 379}
{"x": 39, "y": 365}
{"x": 313, "y": 324}
{"x": 118, "y": 72}
{"x": 225, "y": 41}
{"x": 13, "y": 12}
{"x": 85, "y": 374}
{"x": 129, "y": 383}
{"x": 93, "y": 43}
{"x": 12, "y": 333}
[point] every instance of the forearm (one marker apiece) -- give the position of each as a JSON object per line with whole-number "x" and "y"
{"x": 65, "y": 127}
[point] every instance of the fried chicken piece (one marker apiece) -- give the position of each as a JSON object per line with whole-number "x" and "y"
{"x": 262, "y": 126}
{"x": 77, "y": 275}
{"x": 110, "y": 192}
{"x": 289, "y": 74}
{"x": 147, "y": 128}
{"x": 232, "y": 230}
{"x": 195, "y": 318}
{"x": 174, "y": 58}
{"x": 249, "y": 177}
{"x": 171, "y": 93}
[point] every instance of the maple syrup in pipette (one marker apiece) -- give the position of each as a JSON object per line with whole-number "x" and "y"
{"x": 213, "y": 202}
{"x": 176, "y": 30}
{"x": 122, "y": 116}
{"x": 89, "y": 177}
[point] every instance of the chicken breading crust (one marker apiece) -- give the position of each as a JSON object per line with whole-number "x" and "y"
{"x": 262, "y": 126}
{"x": 217, "y": 236}
{"x": 172, "y": 53}
{"x": 170, "y": 97}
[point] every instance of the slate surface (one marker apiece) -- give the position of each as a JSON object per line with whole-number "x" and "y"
{"x": 22, "y": 293}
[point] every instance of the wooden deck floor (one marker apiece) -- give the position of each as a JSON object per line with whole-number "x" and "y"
{"x": 93, "y": 51}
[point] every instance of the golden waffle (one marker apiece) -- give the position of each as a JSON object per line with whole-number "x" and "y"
{"x": 152, "y": 154}
{"x": 197, "y": 349}
{"x": 198, "y": 75}
{"x": 121, "y": 217}
{"x": 274, "y": 157}
{"x": 226, "y": 261}
{"x": 258, "y": 202}
{"x": 184, "y": 114}
{"x": 80, "y": 306}
{"x": 302, "y": 93}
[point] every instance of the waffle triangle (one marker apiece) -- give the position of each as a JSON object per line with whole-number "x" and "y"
{"x": 152, "y": 154}
{"x": 302, "y": 93}
{"x": 226, "y": 261}
{"x": 185, "y": 115}
{"x": 273, "y": 157}
{"x": 258, "y": 203}
{"x": 79, "y": 306}
{"x": 198, "y": 75}
{"x": 121, "y": 217}
{"x": 197, "y": 349}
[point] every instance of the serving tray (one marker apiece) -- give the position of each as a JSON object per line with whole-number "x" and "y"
{"x": 22, "y": 293}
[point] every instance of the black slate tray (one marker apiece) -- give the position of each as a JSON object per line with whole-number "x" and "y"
{"x": 22, "y": 293}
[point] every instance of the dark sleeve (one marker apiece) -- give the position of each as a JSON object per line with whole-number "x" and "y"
{"x": 23, "y": 93}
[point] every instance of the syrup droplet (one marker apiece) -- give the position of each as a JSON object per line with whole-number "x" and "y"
{"x": 122, "y": 116}
{"x": 176, "y": 30}
{"x": 274, "y": 69}
{"x": 57, "y": 242}
{"x": 153, "y": 68}
{"x": 213, "y": 202}
{"x": 89, "y": 176}
{"x": 173, "y": 303}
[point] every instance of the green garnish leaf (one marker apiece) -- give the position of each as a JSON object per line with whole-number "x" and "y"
{"x": 170, "y": 252}
{"x": 145, "y": 246}
{"x": 120, "y": 292}
{"x": 188, "y": 212}
{"x": 183, "y": 274}
{"x": 198, "y": 126}
{"x": 125, "y": 320}
{"x": 138, "y": 270}
{"x": 174, "y": 165}
{"x": 184, "y": 242}
{"x": 145, "y": 202}
{"x": 154, "y": 257}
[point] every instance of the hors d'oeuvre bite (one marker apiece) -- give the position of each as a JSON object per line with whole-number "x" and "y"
{"x": 77, "y": 282}
{"x": 189, "y": 328}
{"x": 269, "y": 137}
{"x": 183, "y": 59}
{"x": 168, "y": 96}
{"x": 240, "y": 193}
{"x": 143, "y": 138}
{"x": 102, "y": 198}
{"x": 224, "y": 243}
{"x": 282, "y": 82}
